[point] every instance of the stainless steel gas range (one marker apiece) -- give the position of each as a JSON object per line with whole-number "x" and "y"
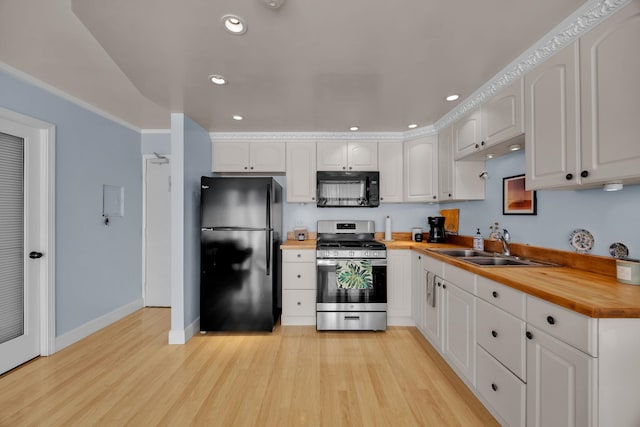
{"x": 352, "y": 277}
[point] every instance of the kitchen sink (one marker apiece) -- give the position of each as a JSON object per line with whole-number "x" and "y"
{"x": 488, "y": 259}
{"x": 459, "y": 253}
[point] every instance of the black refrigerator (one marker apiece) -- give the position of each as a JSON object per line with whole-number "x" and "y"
{"x": 240, "y": 237}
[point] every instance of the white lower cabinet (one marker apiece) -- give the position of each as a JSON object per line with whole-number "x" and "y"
{"x": 531, "y": 362}
{"x": 501, "y": 389}
{"x": 399, "y": 288}
{"x": 560, "y": 383}
{"x": 459, "y": 330}
{"x": 298, "y": 287}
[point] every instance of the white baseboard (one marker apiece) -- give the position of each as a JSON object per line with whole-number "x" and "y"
{"x": 177, "y": 336}
{"x": 400, "y": 321}
{"x": 95, "y": 325}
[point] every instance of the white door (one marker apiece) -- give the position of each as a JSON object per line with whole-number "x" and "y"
{"x": 157, "y": 233}
{"x": 20, "y": 213}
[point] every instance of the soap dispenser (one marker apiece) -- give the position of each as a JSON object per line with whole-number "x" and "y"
{"x": 478, "y": 241}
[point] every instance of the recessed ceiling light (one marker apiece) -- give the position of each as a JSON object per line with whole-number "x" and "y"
{"x": 237, "y": 117}
{"x": 489, "y": 155}
{"x": 234, "y": 24}
{"x": 354, "y": 128}
{"x": 515, "y": 147}
{"x": 217, "y": 79}
{"x": 412, "y": 126}
{"x": 452, "y": 97}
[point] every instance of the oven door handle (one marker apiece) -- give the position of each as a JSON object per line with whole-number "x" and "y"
{"x": 377, "y": 262}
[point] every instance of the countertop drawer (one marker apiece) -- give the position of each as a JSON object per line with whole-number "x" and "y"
{"x": 461, "y": 278}
{"x": 299, "y": 255}
{"x": 501, "y": 389}
{"x": 502, "y": 335}
{"x": 508, "y": 299}
{"x": 573, "y": 328}
{"x": 299, "y": 275}
{"x": 298, "y": 302}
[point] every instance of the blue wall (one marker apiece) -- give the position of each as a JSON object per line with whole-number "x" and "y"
{"x": 609, "y": 216}
{"x": 197, "y": 162}
{"x": 97, "y": 267}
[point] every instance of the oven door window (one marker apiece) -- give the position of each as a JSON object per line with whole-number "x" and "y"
{"x": 332, "y": 289}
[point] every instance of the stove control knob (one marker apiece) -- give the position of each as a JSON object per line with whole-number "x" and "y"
{"x": 352, "y": 253}
{"x": 374, "y": 254}
{"x": 366, "y": 254}
{"x": 335, "y": 253}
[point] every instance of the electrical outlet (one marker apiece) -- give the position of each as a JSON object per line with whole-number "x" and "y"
{"x": 299, "y": 222}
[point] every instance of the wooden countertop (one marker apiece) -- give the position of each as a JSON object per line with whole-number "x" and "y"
{"x": 590, "y": 293}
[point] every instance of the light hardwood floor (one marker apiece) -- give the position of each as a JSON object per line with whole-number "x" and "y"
{"x": 127, "y": 374}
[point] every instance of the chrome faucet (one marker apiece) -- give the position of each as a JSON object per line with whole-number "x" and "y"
{"x": 505, "y": 238}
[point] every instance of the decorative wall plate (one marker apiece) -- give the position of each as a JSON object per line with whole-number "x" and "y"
{"x": 581, "y": 240}
{"x": 618, "y": 250}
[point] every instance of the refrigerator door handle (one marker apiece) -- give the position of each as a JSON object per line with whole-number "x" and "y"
{"x": 268, "y": 255}
{"x": 268, "y": 225}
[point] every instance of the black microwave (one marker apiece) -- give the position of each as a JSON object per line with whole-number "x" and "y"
{"x": 355, "y": 189}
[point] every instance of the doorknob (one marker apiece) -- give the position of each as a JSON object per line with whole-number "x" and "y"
{"x": 35, "y": 255}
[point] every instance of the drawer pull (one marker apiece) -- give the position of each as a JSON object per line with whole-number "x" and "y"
{"x": 551, "y": 320}
{"x": 351, "y": 317}
{"x": 494, "y": 334}
{"x": 299, "y": 303}
{"x": 299, "y": 255}
{"x": 529, "y": 335}
{"x": 495, "y": 294}
{"x": 299, "y": 276}
{"x": 494, "y": 387}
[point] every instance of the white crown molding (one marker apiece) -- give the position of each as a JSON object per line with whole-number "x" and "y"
{"x": 580, "y": 22}
{"x": 61, "y": 94}
{"x": 306, "y": 136}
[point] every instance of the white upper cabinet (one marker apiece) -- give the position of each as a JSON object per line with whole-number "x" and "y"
{"x": 493, "y": 127}
{"x": 503, "y": 115}
{"x": 342, "y": 156}
{"x": 610, "y": 99}
{"x": 301, "y": 172}
{"x": 421, "y": 169}
{"x": 391, "y": 168}
{"x": 248, "y": 156}
{"x": 551, "y": 111}
{"x": 457, "y": 180}
{"x": 582, "y": 109}
{"x": 467, "y": 135}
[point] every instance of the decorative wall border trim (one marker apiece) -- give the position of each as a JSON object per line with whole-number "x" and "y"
{"x": 580, "y": 22}
{"x": 306, "y": 136}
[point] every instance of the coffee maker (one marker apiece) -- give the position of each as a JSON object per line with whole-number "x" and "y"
{"x": 436, "y": 229}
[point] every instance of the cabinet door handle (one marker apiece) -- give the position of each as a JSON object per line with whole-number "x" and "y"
{"x": 344, "y": 167}
{"x": 494, "y": 334}
{"x": 245, "y": 168}
{"x": 494, "y": 294}
{"x": 569, "y": 176}
{"x": 444, "y": 286}
{"x": 299, "y": 255}
{"x": 584, "y": 174}
{"x": 299, "y": 276}
{"x": 251, "y": 168}
{"x": 477, "y": 146}
{"x": 299, "y": 303}
{"x": 494, "y": 387}
{"x": 551, "y": 320}
{"x": 482, "y": 143}
{"x": 529, "y": 335}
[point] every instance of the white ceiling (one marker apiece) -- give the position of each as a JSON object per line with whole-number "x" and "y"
{"x": 309, "y": 66}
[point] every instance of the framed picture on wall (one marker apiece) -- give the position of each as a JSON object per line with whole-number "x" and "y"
{"x": 516, "y": 200}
